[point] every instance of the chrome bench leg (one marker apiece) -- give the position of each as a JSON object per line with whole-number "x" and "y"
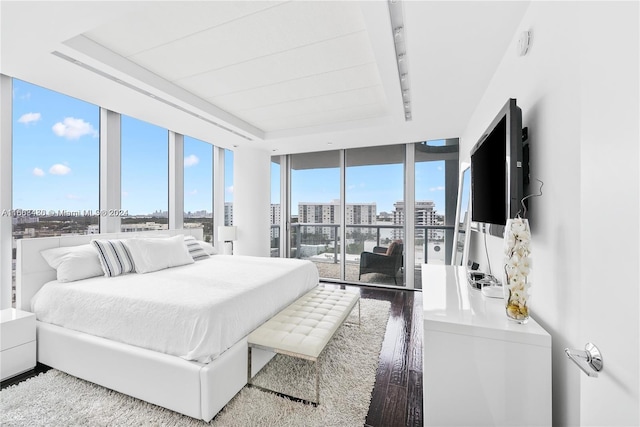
{"x": 249, "y": 367}
{"x": 318, "y": 381}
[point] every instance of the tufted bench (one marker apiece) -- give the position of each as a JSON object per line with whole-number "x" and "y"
{"x": 304, "y": 328}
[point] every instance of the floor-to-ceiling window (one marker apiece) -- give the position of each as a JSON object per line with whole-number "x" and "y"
{"x": 315, "y": 210}
{"x": 374, "y": 214}
{"x": 145, "y": 175}
{"x": 55, "y": 164}
{"x": 399, "y": 210}
{"x": 198, "y": 186}
{"x": 436, "y": 188}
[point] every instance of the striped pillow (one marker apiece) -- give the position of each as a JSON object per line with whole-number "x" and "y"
{"x": 195, "y": 250}
{"x": 115, "y": 258}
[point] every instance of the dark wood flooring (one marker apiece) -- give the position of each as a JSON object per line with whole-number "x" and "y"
{"x": 397, "y": 395}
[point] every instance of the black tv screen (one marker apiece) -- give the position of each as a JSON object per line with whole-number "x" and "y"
{"x": 496, "y": 168}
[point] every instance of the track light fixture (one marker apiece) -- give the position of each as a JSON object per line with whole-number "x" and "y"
{"x": 399, "y": 41}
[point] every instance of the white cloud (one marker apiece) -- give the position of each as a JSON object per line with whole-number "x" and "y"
{"x": 73, "y": 197}
{"x": 37, "y": 172}
{"x": 26, "y": 96}
{"x": 29, "y": 118}
{"x": 193, "y": 192}
{"x": 124, "y": 193}
{"x": 191, "y": 160}
{"x": 229, "y": 189}
{"x": 439, "y": 188}
{"x": 72, "y": 128}
{"x": 59, "y": 169}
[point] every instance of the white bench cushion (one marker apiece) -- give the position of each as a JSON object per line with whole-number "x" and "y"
{"x": 306, "y": 326}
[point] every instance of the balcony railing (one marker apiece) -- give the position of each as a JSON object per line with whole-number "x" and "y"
{"x": 320, "y": 242}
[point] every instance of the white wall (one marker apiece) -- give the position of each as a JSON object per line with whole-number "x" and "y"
{"x": 572, "y": 101}
{"x": 251, "y": 201}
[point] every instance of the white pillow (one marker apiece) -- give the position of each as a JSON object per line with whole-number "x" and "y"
{"x": 152, "y": 254}
{"x": 114, "y": 257}
{"x": 73, "y": 262}
{"x": 195, "y": 250}
{"x": 208, "y": 248}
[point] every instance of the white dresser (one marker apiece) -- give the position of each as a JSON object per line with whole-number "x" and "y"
{"x": 17, "y": 342}
{"x": 480, "y": 368}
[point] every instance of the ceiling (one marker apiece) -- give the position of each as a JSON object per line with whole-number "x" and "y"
{"x": 284, "y": 76}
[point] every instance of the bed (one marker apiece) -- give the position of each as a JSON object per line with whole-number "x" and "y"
{"x": 195, "y": 372}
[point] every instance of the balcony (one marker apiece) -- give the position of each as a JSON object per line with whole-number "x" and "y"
{"x": 320, "y": 243}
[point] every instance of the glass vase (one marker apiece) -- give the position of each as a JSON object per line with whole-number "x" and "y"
{"x": 517, "y": 268}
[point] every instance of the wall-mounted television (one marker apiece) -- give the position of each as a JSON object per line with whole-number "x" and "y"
{"x": 497, "y": 177}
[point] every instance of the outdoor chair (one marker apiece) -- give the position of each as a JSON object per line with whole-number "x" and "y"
{"x": 382, "y": 260}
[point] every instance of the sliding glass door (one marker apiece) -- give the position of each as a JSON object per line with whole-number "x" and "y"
{"x": 372, "y": 215}
{"x": 374, "y": 188}
{"x": 315, "y": 216}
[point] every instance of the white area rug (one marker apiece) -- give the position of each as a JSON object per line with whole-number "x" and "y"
{"x": 349, "y": 365}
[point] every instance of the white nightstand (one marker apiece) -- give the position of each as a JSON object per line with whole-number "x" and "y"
{"x": 17, "y": 342}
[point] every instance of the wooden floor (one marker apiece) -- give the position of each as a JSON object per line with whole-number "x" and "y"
{"x": 397, "y": 395}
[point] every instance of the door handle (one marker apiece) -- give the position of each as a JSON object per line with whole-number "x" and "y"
{"x": 588, "y": 360}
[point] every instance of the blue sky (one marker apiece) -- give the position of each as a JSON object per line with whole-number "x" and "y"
{"x": 56, "y": 155}
{"x": 55, "y": 150}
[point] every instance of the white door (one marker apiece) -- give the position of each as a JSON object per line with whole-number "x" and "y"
{"x": 609, "y": 211}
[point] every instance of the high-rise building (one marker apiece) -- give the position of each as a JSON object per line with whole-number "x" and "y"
{"x": 143, "y": 226}
{"x": 425, "y": 214}
{"x": 329, "y": 213}
{"x": 275, "y": 216}
{"x": 228, "y": 213}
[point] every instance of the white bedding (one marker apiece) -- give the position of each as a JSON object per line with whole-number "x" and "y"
{"x": 194, "y": 311}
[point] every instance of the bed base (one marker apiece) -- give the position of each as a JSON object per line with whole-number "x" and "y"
{"x": 190, "y": 388}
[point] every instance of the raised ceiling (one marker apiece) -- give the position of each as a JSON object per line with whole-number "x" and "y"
{"x": 288, "y": 76}
{"x": 276, "y": 65}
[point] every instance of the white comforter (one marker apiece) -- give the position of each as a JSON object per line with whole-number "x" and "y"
{"x": 195, "y": 311}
